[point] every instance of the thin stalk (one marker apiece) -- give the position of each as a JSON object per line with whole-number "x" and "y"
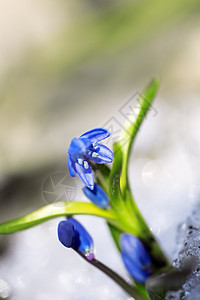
{"x": 129, "y": 289}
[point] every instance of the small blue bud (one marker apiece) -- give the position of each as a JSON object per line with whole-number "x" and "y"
{"x": 135, "y": 257}
{"x": 82, "y": 241}
{"x": 136, "y": 273}
{"x": 97, "y": 196}
{"x": 134, "y": 249}
{"x": 66, "y": 233}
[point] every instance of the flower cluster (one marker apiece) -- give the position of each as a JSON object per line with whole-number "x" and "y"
{"x": 71, "y": 233}
{"x": 129, "y": 230}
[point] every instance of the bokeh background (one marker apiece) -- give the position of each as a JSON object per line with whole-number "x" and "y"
{"x": 67, "y": 67}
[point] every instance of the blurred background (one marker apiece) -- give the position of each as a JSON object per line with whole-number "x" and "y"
{"x": 68, "y": 67}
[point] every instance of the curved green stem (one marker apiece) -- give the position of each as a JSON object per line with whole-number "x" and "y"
{"x": 114, "y": 276}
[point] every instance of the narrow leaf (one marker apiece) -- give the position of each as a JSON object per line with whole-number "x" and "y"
{"x": 115, "y": 234}
{"x": 102, "y": 173}
{"x": 53, "y": 211}
{"x": 131, "y": 129}
{"x": 114, "y": 179}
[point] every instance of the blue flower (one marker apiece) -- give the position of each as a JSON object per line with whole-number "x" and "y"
{"x": 73, "y": 235}
{"x": 97, "y": 196}
{"x": 135, "y": 257}
{"x": 86, "y": 148}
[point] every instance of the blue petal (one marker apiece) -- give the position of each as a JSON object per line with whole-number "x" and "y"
{"x": 134, "y": 250}
{"x": 84, "y": 171}
{"x": 97, "y": 196}
{"x": 78, "y": 146}
{"x": 70, "y": 166}
{"x": 96, "y": 134}
{"x": 66, "y": 233}
{"x": 83, "y": 241}
{"x": 100, "y": 154}
{"x": 135, "y": 272}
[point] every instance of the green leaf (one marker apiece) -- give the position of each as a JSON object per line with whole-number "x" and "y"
{"x": 102, "y": 173}
{"x": 115, "y": 234}
{"x": 114, "y": 179}
{"x": 53, "y": 211}
{"x": 131, "y": 129}
{"x": 125, "y": 208}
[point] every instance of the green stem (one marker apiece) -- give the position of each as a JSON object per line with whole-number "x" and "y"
{"x": 129, "y": 289}
{"x": 159, "y": 257}
{"x": 129, "y": 219}
{"x": 142, "y": 290}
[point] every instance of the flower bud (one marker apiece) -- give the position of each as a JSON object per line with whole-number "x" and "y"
{"x": 66, "y": 233}
{"x": 135, "y": 257}
{"x": 136, "y": 273}
{"x": 82, "y": 240}
{"x": 97, "y": 196}
{"x": 73, "y": 235}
